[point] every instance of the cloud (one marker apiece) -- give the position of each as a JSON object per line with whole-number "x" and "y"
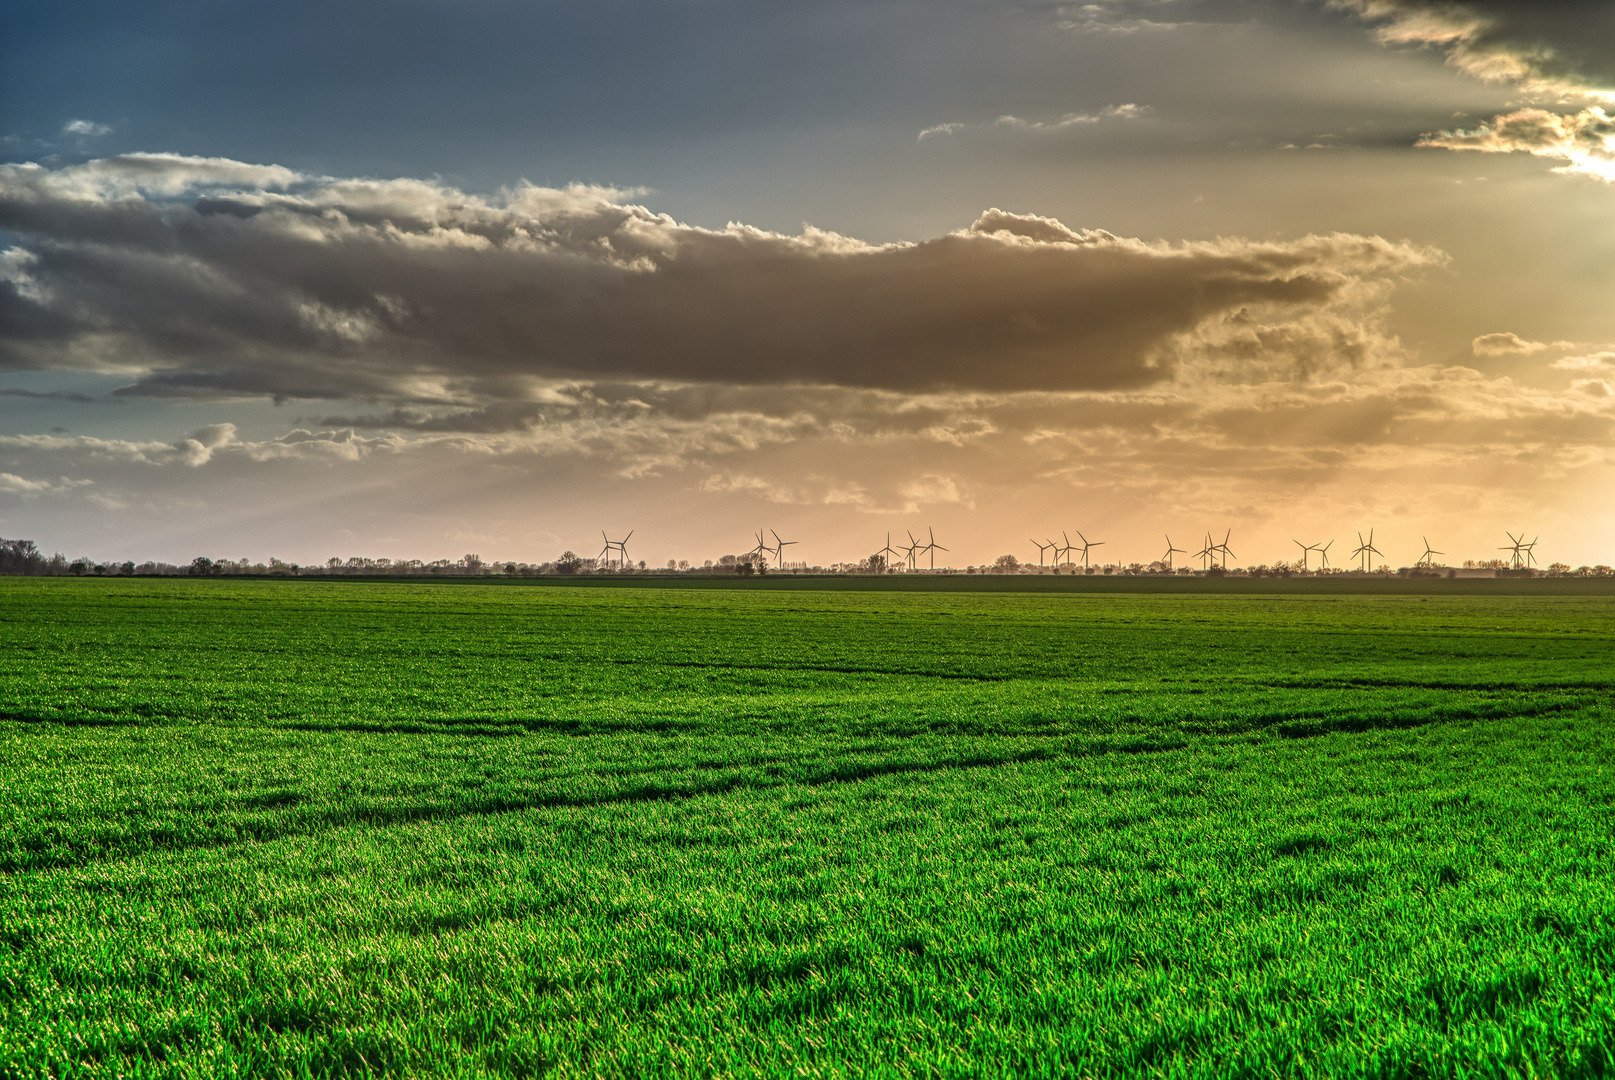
{"x": 1118, "y": 17}
{"x": 12, "y": 484}
{"x": 1504, "y": 344}
{"x": 51, "y": 395}
{"x": 1584, "y": 140}
{"x": 1599, "y": 361}
{"x": 1127, "y": 111}
{"x": 214, "y": 278}
{"x": 87, "y": 128}
{"x": 1559, "y": 49}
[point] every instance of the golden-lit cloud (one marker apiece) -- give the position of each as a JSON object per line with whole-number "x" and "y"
{"x": 1505, "y": 343}
{"x": 1548, "y": 51}
{"x": 1584, "y": 140}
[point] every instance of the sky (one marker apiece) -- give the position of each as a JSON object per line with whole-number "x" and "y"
{"x": 417, "y": 279}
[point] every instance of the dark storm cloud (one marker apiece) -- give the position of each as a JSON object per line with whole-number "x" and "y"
{"x": 218, "y": 278}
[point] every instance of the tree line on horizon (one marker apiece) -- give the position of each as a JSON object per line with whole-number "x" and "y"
{"x": 24, "y": 558}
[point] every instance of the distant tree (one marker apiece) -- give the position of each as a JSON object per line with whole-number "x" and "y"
{"x": 642, "y": 564}
{"x": 128, "y": 569}
{"x": 201, "y": 566}
{"x": 568, "y": 563}
{"x": 684, "y": 564}
{"x": 1006, "y": 564}
{"x": 333, "y": 563}
{"x": 20, "y": 557}
{"x": 877, "y": 563}
{"x": 672, "y": 564}
{"x": 472, "y": 563}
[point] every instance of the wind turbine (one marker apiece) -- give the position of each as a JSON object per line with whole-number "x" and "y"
{"x": 1167, "y": 558}
{"x": 620, "y": 546}
{"x": 1426, "y": 559}
{"x": 913, "y": 547}
{"x": 1042, "y": 549}
{"x": 933, "y": 547}
{"x": 779, "y": 548}
{"x": 1223, "y": 547}
{"x": 1365, "y": 549}
{"x": 1062, "y": 554}
{"x": 1515, "y": 547}
{"x": 1306, "y": 549}
{"x": 762, "y": 547}
{"x": 888, "y": 549}
{"x": 1208, "y": 552}
{"x": 1086, "y": 544}
{"x": 1323, "y": 554}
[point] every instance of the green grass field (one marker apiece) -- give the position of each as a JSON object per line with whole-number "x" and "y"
{"x": 305, "y": 828}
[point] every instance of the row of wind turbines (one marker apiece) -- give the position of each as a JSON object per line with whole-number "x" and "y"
{"x": 1215, "y": 553}
{"x": 1522, "y": 553}
{"x": 911, "y": 554}
{"x": 1212, "y": 554}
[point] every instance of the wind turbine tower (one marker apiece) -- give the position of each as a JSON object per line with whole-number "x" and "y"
{"x": 1062, "y": 554}
{"x": 1087, "y": 545}
{"x": 910, "y": 552}
{"x": 888, "y": 549}
{"x": 762, "y": 546}
{"x": 1366, "y": 549}
{"x": 619, "y": 546}
{"x": 1167, "y": 558}
{"x": 779, "y": 549}
{"x": 933, "y": 547}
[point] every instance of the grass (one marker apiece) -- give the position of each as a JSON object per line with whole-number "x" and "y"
{"x": 295, "y": 828}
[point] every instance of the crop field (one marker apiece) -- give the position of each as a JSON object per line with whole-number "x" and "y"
{"x": 318, "y": 828}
